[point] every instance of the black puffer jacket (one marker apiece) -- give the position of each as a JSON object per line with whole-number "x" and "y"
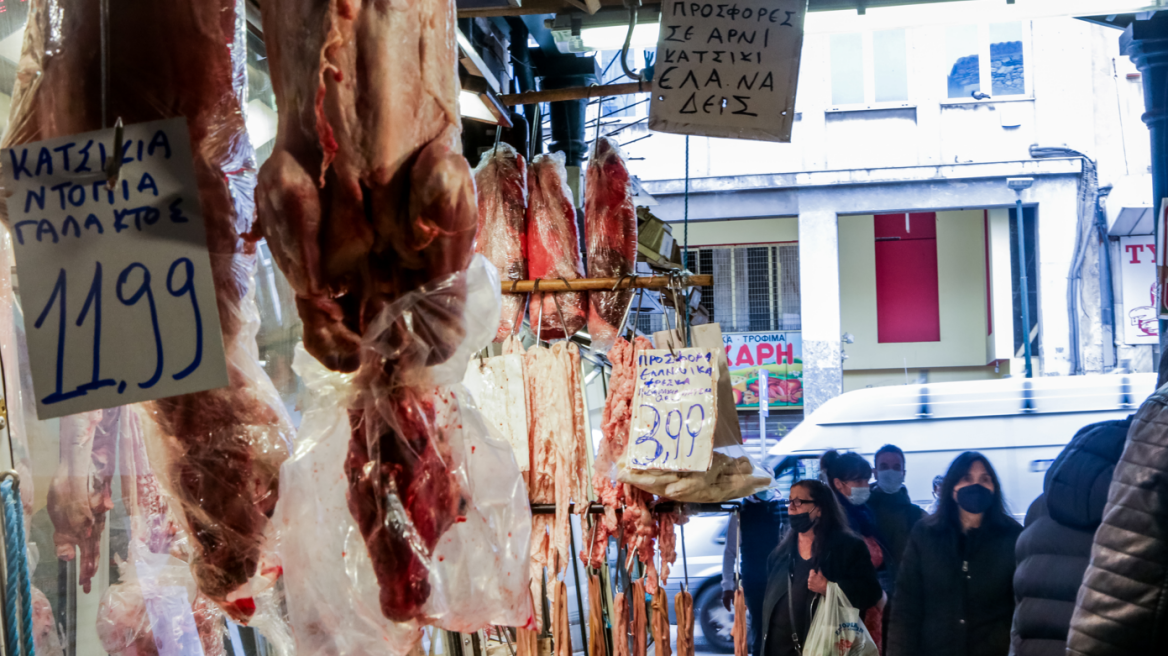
{"x": 950, "y": 605}
{"x": 1055, "y": 548}
{"x": 1122, "y": 607}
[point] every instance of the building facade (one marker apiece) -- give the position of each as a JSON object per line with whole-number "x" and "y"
{"x": 885, "y": 232}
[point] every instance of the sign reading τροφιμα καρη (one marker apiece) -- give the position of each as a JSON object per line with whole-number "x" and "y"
{"x": 115, "y": 283}
{"x": 674, "y": 410}
{"x": 727, "y": 69}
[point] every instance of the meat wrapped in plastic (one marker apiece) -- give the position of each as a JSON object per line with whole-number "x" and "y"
{"x": 475, "y": 571}
{"x": 501, "y": 178}
{"x": 219, "y": 450}
{"x": 553, "y": 249}
{"x": 610, "y": 229}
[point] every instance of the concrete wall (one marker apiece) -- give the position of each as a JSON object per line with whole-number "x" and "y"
{"x": 961, "y": 278}
{"x": 740, "y": 232}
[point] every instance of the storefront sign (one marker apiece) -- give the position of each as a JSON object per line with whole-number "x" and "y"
{"x": 1137, "y": 266}
{"x": 780, "y": 354}
{"x": 115, "y": 284}
{"x": 674, "y": 410}
{"x": 1162, "y": 261}
{"x": 728, "y": 70}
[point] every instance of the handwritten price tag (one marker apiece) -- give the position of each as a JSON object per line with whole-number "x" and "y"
{"x": 728, "y": 70}
{"x": 674, "y": 410}
{"x": 115, "y": 284}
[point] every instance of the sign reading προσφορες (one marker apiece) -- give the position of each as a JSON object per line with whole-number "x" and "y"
{"x": 674, "y": 410}
{"x": 115, "y": 283}
{"x": 728, "y": 69}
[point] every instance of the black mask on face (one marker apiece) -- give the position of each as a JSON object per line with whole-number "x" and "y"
{"x": 975, "y": 499}
{"x": 802, "y": 523}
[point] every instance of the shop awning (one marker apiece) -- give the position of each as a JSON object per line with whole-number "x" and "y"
{"x": 1129, "y": 207}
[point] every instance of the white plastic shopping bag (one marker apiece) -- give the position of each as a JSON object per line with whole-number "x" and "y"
{"x": 837, "y": 630}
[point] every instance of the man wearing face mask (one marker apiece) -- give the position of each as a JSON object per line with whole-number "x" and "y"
{"x": 896, "y": 514}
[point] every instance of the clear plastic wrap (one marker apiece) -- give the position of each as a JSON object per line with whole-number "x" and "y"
{"x": 474, "y": 569}
{"x": 610, "y": 230}
{"x": 501, "y": 178}
{"x": 219, "y": 450}
{"x": 366, "y": 195}
{"x": 553, "y": 249}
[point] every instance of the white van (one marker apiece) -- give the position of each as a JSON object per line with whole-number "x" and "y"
{"x": 1020, "y": 424}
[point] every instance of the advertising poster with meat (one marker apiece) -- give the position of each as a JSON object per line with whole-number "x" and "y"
{"x": 1137, "y": 266}
{"x": 780, "y": 354}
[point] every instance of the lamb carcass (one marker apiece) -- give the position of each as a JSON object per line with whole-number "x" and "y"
{"x": 553, "y": 248}
{"x": 501, "y": 178}
{"x": 222, "y": 448}
{"x": 610, "y": 229}
{"x": 366, "y": 198}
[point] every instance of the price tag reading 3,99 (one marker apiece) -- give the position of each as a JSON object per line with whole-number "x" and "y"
{"x": 115, "y": 284}
{"x": 674, "y": 410}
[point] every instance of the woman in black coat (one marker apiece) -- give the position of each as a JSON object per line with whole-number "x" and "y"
{"x": 954, "y": 591}
{"x": 819, "y": 548}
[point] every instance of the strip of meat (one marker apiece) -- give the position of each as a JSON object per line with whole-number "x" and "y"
{"x": 501, "y": 179}
{"x": 738, "y": 631}
{"x": 223, "y": 447}
{"x": 561, "y": 627}
{"x": 526, "y": 642}
{"x": 620, "y": 625}
{"x": 597, "y": 646}
{"x": 79, "y": 496}
{"x": 610, "y": 228}
{"x": 370, "y": 211}
{"x": 553, "y": 249}
{"x": 640, "y": 637}
{"x": 661, "y": 633}
{"x": 683, "y": 608}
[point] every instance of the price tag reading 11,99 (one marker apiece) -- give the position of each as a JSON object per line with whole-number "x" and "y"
{"x": 674, "y": 410}
{"x": 115, "y": 284}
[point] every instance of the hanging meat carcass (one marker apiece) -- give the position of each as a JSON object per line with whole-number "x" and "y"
{"x": 501, "y": 178}
{"x": 610, "y": 229}
{"x": 365, "y": 199}
{"x": 553, "y": 245}
{"x": 221, "y": 449}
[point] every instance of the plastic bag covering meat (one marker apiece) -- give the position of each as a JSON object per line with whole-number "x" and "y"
{"x": 366, "y": 196}
{"x": 477, "y": 572}
{"x": 501, "y": 178}
{"x": 610, "y": 229}
{"x": 553, "y": 245}
{"x": 222, "y": 447}
{"x": 79, "y": 495}
{"x": 46, "y": 636}
{"x": 159, "y": 614}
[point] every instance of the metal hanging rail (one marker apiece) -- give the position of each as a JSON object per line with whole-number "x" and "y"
{"x": 605, "y": 284}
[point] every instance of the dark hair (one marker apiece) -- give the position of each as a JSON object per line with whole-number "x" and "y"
{"x": 889, "y": 448}
{"x": 947, "y": 509}
{"x": 844, "y": 466}
{"x": 831, "y": 516}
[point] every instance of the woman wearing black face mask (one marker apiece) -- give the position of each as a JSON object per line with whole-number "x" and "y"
{"x": 819, "y": 548}
{"x": 954, "y": 591}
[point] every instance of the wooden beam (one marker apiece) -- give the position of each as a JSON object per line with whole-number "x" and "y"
{"x": 603, "y": 284}
{"x": 575, "y": 93}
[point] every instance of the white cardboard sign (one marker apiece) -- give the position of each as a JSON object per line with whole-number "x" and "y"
{"x": 119, "y": 305}
{"x": 498, "y": 386}
{"x": 674, "y": 410}
{"x": 728, "y": 70}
